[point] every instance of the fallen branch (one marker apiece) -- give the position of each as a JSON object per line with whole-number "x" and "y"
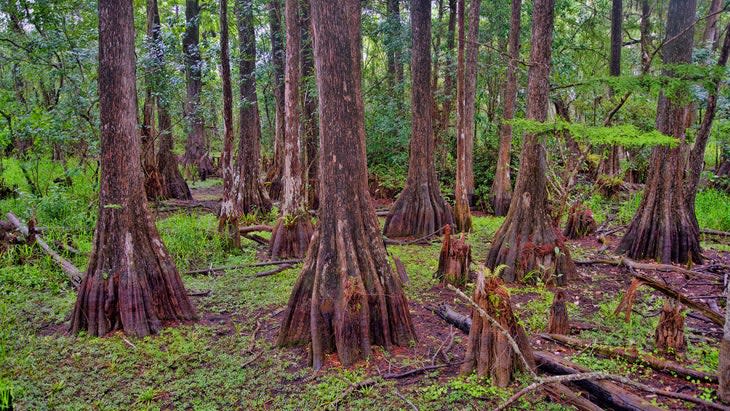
{"x": 420, "y": 240}
{"x": 252, "y": 344}
{"x": 406, "y": 400}
{"x": 252, "y": 359}
{"x": 462, "y": 322}
{"x": 394, "y": 376}
{"x": 73, "y": 273}
{"x": 273, "y": 271}
{"x": 714, "y": 232}
{"x": 255, "y": 228}
{"x": 212, "y": 270}
{"x": 648, "y": 266}
{"x": 352, "y": 387}
{"x": 256, "y": 238}
{"x": 632, "y": 356}
{"x": 200, "y": 294}
{"x": 67, "y": 248}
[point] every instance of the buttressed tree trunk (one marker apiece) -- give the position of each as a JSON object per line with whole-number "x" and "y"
{"x": 173, "y": 184}
{"x": 196, "y": 154}
{"x": 310, "y": 129}
{"x": 131, "y": 283}
{"x": 273, "y": 175}
{"x": 663, "y": 228}
{"x": 527, "y": 241}
{"x": 347, "y": 297}
{"x": 292, "y": 232}
{"x": 502, "y": 186}
{"x": 420, "y": 210}
{"x": 228, "y": 219}
{"x": 251, "y": 196}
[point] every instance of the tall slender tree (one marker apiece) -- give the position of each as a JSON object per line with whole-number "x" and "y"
{"x": 276, "y": 168}
{"x": 229, "y": 213}
{"x": 610, "y": 163}
{"x": 196, "y": 153}
{"x": 470, "y": 90}
{"x": 502, "y": 185}
{"x": 347, "y": 297}
{"x": 251, "y": 196}
{"x": 663, "y": 227}
{"x": 152, "y": 177}
{"x": 527, "y": 240}
{"x": 131, "y": 283}
{"x": 420, "y": 210}
{"x": 310, "y": 130}
{"x": 292, "y": 232}
{"x": 395, "y": 55}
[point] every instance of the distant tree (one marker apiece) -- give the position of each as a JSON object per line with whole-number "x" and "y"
{"x": 395, "y": 54}
{"x": 527, "y": 240}
{"x": 196, "y": 153}
{"x": 251, "y": 194}
{"x": 310, "y": 129}
{"x": 276, "y": 168}
{"x": 663, "y": 227}
{"x": 152, "y": 177}
{"x": 610, "y": 163}
{"x": 502, "y": 185}
{"x": 131, "y": 283}
{"x": 420, "y": 210}
{"x": 347, "y": 297}
{"x": 229, "y": 213}
{"x": 293, "y": 230}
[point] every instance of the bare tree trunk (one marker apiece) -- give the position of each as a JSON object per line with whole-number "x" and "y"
{"x": 229, "y": 213}
{"x": 723, "y": 370}
{"x": 251, "y": 196}
{"x": 131, "y": 283}
{"x": 292, "y": 232}
{"x": 356, "y": 302}
{"x": 470, "y": 92}
{"x": 310, "y": 130}
{"x": 462, "y": 213}
{"x": 395, "y": 56}
{"x": 172, "y": 183}
{"x": 420, "y": 210}
{"x": 712, "y": 33}
{"x": 273, "y": 175}
{"x": 502, "y": 186}
{"x": 527, "y": 240}
{"x": 663, "y": 228}
{"x": 645, "y": 30}
{"x": 441, "y": 128}
{"x": 696, "y": 160}
{"x": 610, "y": 164}
{"x": 196, "y": 154}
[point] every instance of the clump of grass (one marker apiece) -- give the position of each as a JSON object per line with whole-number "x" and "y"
{"x": 713, "y": 209}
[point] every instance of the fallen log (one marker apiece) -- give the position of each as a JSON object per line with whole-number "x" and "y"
{"x": 602, "y": 392}
{"x": 714, "y": 232}
{"x": 255, "y": 228}
{"x": 73, "y": 273}
{"x": 648, "y": 266}
{"x": 462, "y": 322}
{"x": 632, "y": 356}
{"x": 256, "y": 238}
{"x": 273, "y": 271}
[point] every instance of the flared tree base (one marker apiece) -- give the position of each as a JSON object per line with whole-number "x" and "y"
{"x": 454, "y": 260}
{"x": 418, "y": 212}
{"x": 669, "y": 336}
{"x": 290, "y": 237}
{"x": 580, "y": 222}
{"x": 558, "y": 323}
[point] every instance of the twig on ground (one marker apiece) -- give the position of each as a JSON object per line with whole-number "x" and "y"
{"x": 252, "y": 344}
{"x": 273, "y": 271}
{"x": 406, "y": 400}
{"x": 212, "y": 270}
{"x": 252, "y": 359}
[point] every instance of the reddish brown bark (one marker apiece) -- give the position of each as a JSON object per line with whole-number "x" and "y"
{"x": 723, "y": 370}
{"x": 251, "y": 196}
{"x": 196, "y": 154}
{"x": 488, "y": 350}
{"x": 292, "y": 232}
{"x": 527, "y": 241}
{"x": 443, "y": 114}
{"x": 580, "y": 222}
{"x": 454, "y": 260}
{"x": 610, "y": 163}
{"x": 395, "y": 58}
{"x": 669, "y": 336}
{"x": 273, "y": 175}
{"x": 419, "y": 210}
{"x": 173, "y": 184}
{"x": 663, "y": 228}
{"x": 310, "y": 129}
{"x": 229, "y": 213}
{"x": 462, "y": 212}
{"x": 712, "y": 32}
{"x": 470, "y": 93}
{"x": 347, "y": 297}
{"x": 131, "y": 283}
{"x": 558, "y": 323}
{"x": 502, "y": 186}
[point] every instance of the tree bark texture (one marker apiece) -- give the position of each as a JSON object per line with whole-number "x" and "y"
{"x": 395, "y": 55}
{"x": 527, "y": 241}
{"x": 488, "y": 350}
{"x": 310, "y": 129}
{"x": 454, "y": 260}
{"x": 723, "y": 370}
{"x": 251, "y": 196}
{"x": 292, "y": 232}
{"x": 669, "y": 336}
{"x": 580, "y": 222}
{"x": 558, "y": 323}
{"x": 610, "y": 163}
{"x": 663, "y": 228}
{"x": 131, "y": 283}
{"x": 273, "y": 175}
{"x": 420, "y": 209}
{"x": 712, "y": 31}
{"x": 502, "y": 185}
{"x": 462, "y": 212}
{"x": 196, "y": 153}
{"x": 347, "y": 297}
{"x": 443, "y": 114}
{"x": 470, "y": 93}
{"x": 229, "y": 214}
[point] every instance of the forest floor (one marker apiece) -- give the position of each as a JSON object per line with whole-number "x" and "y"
{"x": 228, "y": 360}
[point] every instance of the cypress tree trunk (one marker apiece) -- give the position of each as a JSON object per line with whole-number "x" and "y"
{"x": 229, "y": 213}
{"x": 292, "y": 232}
{"x": 420, "y": 210}
{"x": 462, "y": 213}
{"x": 347, "y": 297}
{"x": 723, "y": 370}
{"x": 152, "y": 178}
{"x": 131, "y": 283}
{"x": 610, "y": 164}
{"x": 470, "y": 92}
{"x": 251, "y": 196}
{"x": 395, "y": 58}
{"x": 173, "y": 185}
{"x": 310, "y": 130}
{"x": 442, "y": 115}
{"x": 273, "y": 175}
{"x": 663, "y": 227}
{"x": 196, "y": 154}
{"x": 502, "y": 186}
{"x": 712, "y": 34}
{"x": 527, "y": 240}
